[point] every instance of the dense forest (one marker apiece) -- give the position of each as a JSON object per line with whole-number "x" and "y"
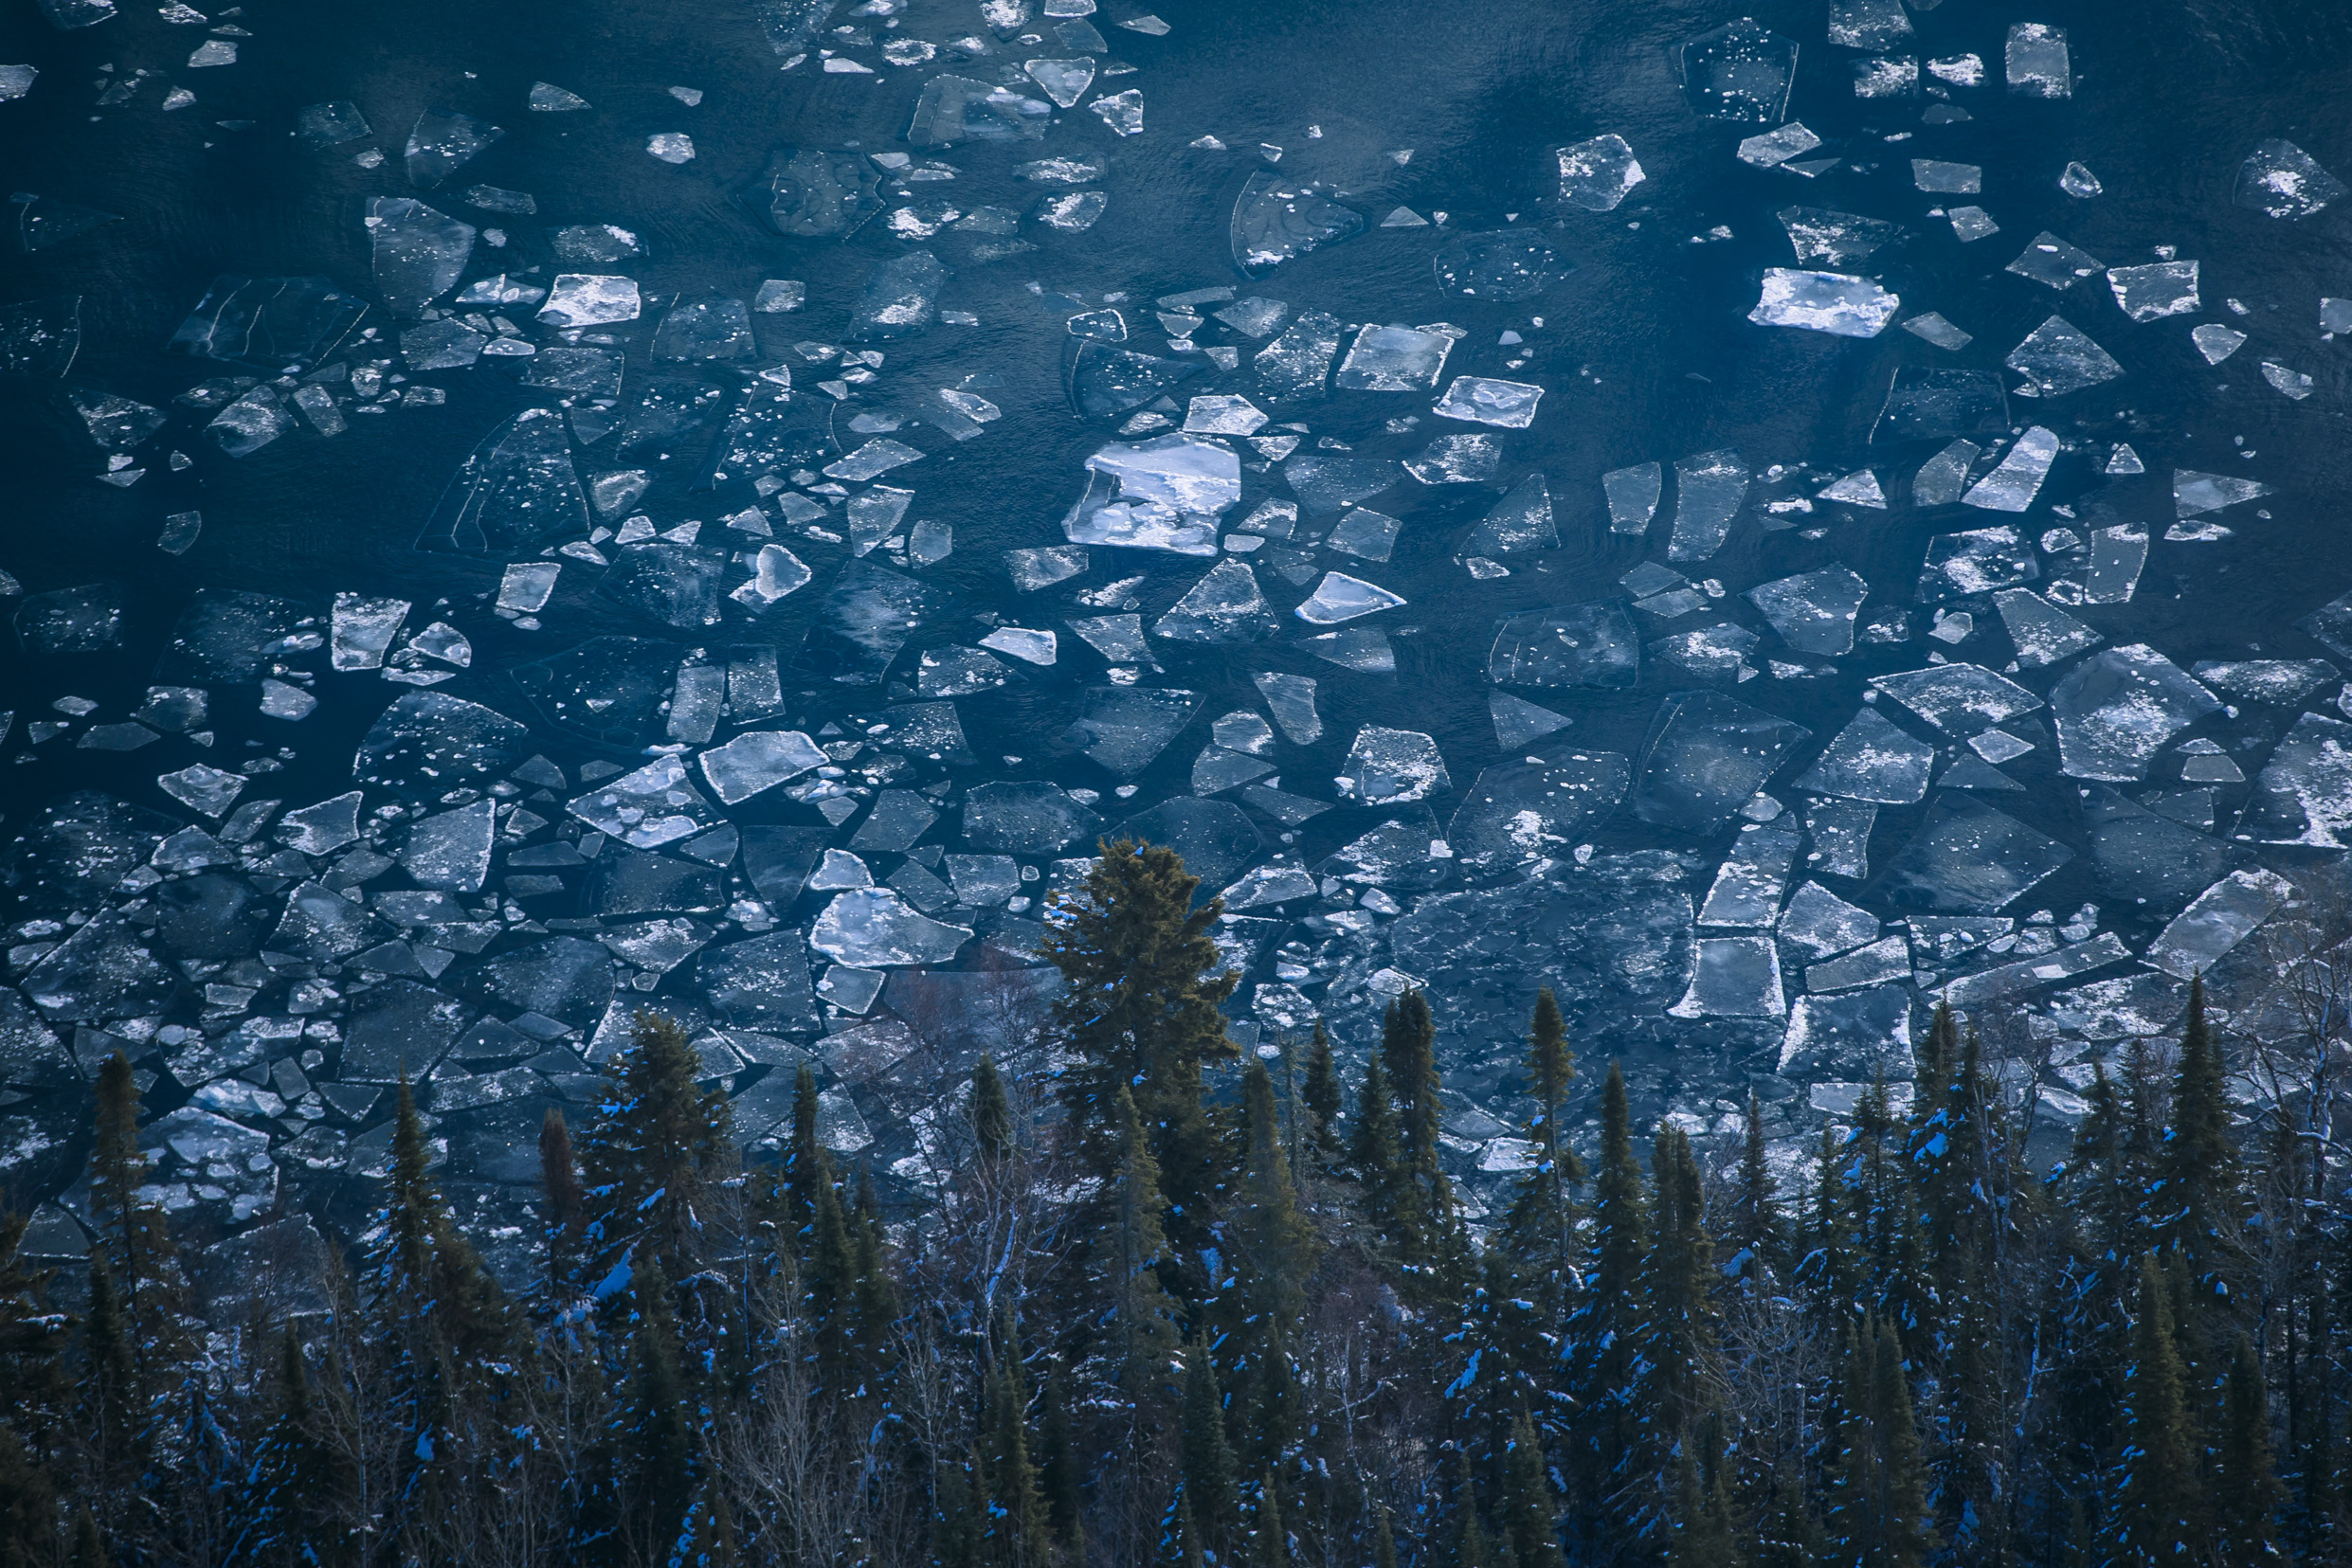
{"x": 1169, "y": 1306}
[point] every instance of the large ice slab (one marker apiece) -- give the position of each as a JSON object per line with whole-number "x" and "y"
{"x": 1834, "y": 302}
{"x": 1969, "y": 858}
{"x": 2117, "y": 709}
{"x": 875, "y": 929}
{"x": 1706, "y": 755}
{"x": 1871, "y": 760}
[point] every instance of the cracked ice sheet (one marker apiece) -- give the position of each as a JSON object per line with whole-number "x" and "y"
{"x": 1834, "y": 302}
{"x": 2117, "y": 709}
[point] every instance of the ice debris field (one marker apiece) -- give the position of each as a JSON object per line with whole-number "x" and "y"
{"x": 768, "y": 633}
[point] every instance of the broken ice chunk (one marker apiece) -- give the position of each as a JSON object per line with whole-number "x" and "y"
{"x": 1943, "y": 478}
{"x": 954, "y": 108}
{"x": 1706, "y": 755}
{"x": 419, "y": 253}
{"x": 1484, "y": 400}
{"x": 2304, "y": 793}
{"x": 2293, "y": 384}
{"x": 2054, "y": 263}
{"x": 1959, "y": 700}
{"x": 2281, "y": 682}
{"x": 1709, "y": 490}
{"x": 2220, "y": 918}
{"x": 758, "y": 760}
{"x": 1388, "y": 766}
{"x": 1960, "y": 179}
{"x": 1296, "y": 365}
{"x": 648, "y": 808}
{"x": 2078, "y": 182}
{"x": 1748, "y": 884}
{"x": 441, "y": 141}
{"x": 1633, "y": 496}
{"x": 1738, "y": 72}
{"x": 2037, "y": 58}
{"x": 1868, "y": 24}
{"x": 899, "y": 299}
{"x": 2013, "y": 485}
{"x": 1969, "y": 858}
{"x": 1456, "y": 460}
{"x": 1117, "y": 637}
{"x": 362, "y": 629}
{"x": 1181, "y": 474}
{"x": 1032, "y": 647}
{"x": 2217, "y": 342}
{"x": 1522, "y": 810}
{"x": 1871, "y": 760}
{"x": 1123, "y": 728}
{"x": 1735, "y": 977}
{"x": 251, "y": 422}
{"x": 1841, "y": 239}
{"x": 2042, "y": 633}
{"x": 1122, "y": 111}
{"x": 875, "y": 929}
{"x": 1394, "y": 359}
{"x": 209, "y": 790}
{"x": 1590, "y": 644}
{"x": 1600, "y": 173}
{"x": 1771, "y": 148}
{"x": 1823, "y": 302}
{"x": 1338, "y": 597}
{"x": 1841, "y": 831}
{"x": 2194, "y": 494}
{"x": 1223, "y": 415}
{"x": 2057, "y": 358}
{"x": 1276, "y": 220}
{"x": 451, "y": 851}
{"x": 1505, "y": 264}
{"x": 1521, "y": 521}
{"x": 1857, "y": 489}
{"x": 1226, "y": 606}
{"x": 588, "y": 300}
{"x": 1822, "y": 923}
{"x": 2116, "y": 710}
{"x": 2163, "y": 288}
{"x": 2283, "y": 181}
{"x": 1937, "y": 331}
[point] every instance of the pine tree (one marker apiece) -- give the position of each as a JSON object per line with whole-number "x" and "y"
{"x": 2159, "y": 1511}
{"x": 1469, "y": 1543}
{"x": 659, "y": 1147}
{"x": 1060, "y": 1470}
{"x": 2201, "y": 1189}
{"x": 1878, "y": 1501}
{"x": 298, "y": 1476}
{"x": 1269, "y": 1544}
{"x": 1384, "y": 1541}
{"x": 115, "y": 1417}
{"x": 134, "y": 1236}
{"x": 830, "y": 1278}
{"x": 567, "y": 1206}
{"x": 1143, "y": 1319}
{"x": 1209, "y": 1488}
{"x": 1322, "y": 1094}
{"x": 1526, "y": 1498}
{"x": 1141, "y": 1007}
{"x": 1019, "y": 1524}
{"x": 1274, "y": 1239}
{"x": 425, "y": 1271}
{"x": 1675, "y": 1288}
{"x": 1788, "y": 1536}
{"x": 1608, "y": 1327}
{"x": 805, "y": 1167}
{"x": 992, "y": 1117}
{"x": 1378, "y": 1159}
{"x": 2246, "y": 1494}
{"x": 1408, "y": 1049}
{"x": 1703, "y": 1536}
{"x": 657, "y": 1444}
{"x": 1541, "y": 1227}
{"x": 1756, "y": 1211}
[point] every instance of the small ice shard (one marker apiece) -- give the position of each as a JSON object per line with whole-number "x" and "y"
{"x": 1824, "y": 924}
{"x": 2117, "y": 709}
{"x": 588, "y": 300}
{"x": 872, "y": 460}
{"x": 1824, "y": 302}
{"x": 1122, "y": 111}
{"x": 2217, "y": 342}
{"x": 875, "y": 929}
{"x": 1709, "y": 489}
{"x": 1032, "y": 647}
{"x": 419, "y": 252}
{"x": 653, "y": 807}
{"x": 1276, "y": 219}
{"x": 1517, "y": 721}
{"x": 1063, "y": 80}
{"x": 451, "y": 851}
{"x": 1032, "y": 570}
{"x": 362, "y": 629}
{"x": 1858, "y": 489}
{"x": 547, "y": 98}
{"x": 2054, "y": 262}
{"x": 1873, "y": 25}
{"x": 17, "y": 80}
{"x": 1292, "y": 701}
{"x": 1771, "y": 148}
{"x": 758, "y": 760}
{"x": 1600, "y": 173}
{"x": 2162, "y": 289}
{"x": 2289, "y": 383}
{"x": 671, "y": 146}
{"x": 2304, "y": 793}
{"x": 2117, "y": 556}
{"x": 1705, "y": 757}
{"x": 1405, "y": 217}
{"x": 1840, "y": 239}
{"x": 1959, "y": 700}
{"x": 2037, "y": 61}
{"x": 1223, "y": 414}
{"x": 1735, "y": 977}
{"x": 1589, "y": 645}
{"x": 209, "y": 790}
{"x": 1633, "y": 496}
{"x": 900, "y": 298}
{"x": 441, "y": 141}
{"x": 1814, "y": 611}
{"x": 2283, "y": 181}
{"x": 1971, "y": 223}
{"x": 1958, "y": 179}
{"x": 1520, "y": 522}
{"x": 1871, "y": 760}
{"x": 1503, "y": 265}
{"x": 1394, "y": 359}
{"x": 1969, "y": 858}
{"x": 1340, "y": 597}
{"x": 2041, "y": 633}
{"x": 2194, "y": 494}
{"x": 1182, "y": 473}
{"x": 2056, "y": 358}
{"x": 1738, "y": 72}
{"x": 1483, "y": 400}
{"x": 1937, "y": 331}
{"x": 1748, "y": 884}
{"x": 1124, "y": 728}
{"x": 1390, "y": 766}
{"x": 2078, "y": 182}
{"x": 2013, "y": 485}
{"x": 956, "y": 109}
{"x": 1471, "y": 458}
{"x": 777, "y": 295}
{"x": 1226, "y": 606}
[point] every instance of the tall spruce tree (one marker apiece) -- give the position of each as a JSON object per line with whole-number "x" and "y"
{"x": 1206, "y": 1454}
{"x": 2159, "y": 1514}
{"x": 1276, "y": 1243}
{"x": 1141, "y": 1008}
{"x": 1541, "y": 1227}
{"x": 1757, "y": 1229}
{"x": 1608, "y": 1329}
{"x": 2246, "y": 1494}
{"x": 1878, "y": 1491}
{"x": 1467, "y": 1538}
{"x": 1141, "y": 1330}
{"x": 1019, "y": 1524}
{"x": 658, "y": 1150}
{"x": 133, "y": 1233}
{"x": 992, "y": 1114}
{"x": 1378, "y": 1159}
{"x": 656, "y": 1438}
{"x": 1675, "y": 1290}
{"x": 2200, "y": 1178}
{"x": 1322, "y": 1094}
{"x": 1527, "y": 1511}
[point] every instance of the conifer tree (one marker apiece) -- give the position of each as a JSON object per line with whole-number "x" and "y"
{"x": 89, "y": 1547}
{"x": 298, "y": 1476}
{"x": 427, "y": 1273}
{"x": 657, "y": 1443}
{"x": 1878, "y": 1498}
{"x": 1469, "y": 1548}
{"x": 1702, "y": 1534}
{"x": 1060, "y": 1472}
{"x": 27, "y": 1505}
{"x": 1269, "y": 1544}
{"x": 1019, "y": 1524}
{"x": 1541, "y": 1227}
{"x": 1322, "y": 1094}
{"x": 2199, "y": 1174}
{"x": 830, "y": 1277}
{"x": 34, "y": 1392}
{"x": 1675, "y": 1288}
{"x": 805, "y": 1167}
{"x": 1378, "y": 1159}
{"x": 115, "y": 1415}
{"x": 1788, "y": 1535}
{"x": 1141, "y": 1007}
{"x": 1408, "y": 1049}
{"x": 567, "y": 1205}
{"x": 2246, "y": 1494}
{"x": 1143, "y": 1319}
{"x": 132, "y": 1232}
{"x": 659, "y": 1146}
{"x": 1383, "y": 1539}
{"x": 992, "y": 1116}
{"x": 1275, "y": 1239}
{"x": 1207, "y": 1456}
{"x": 1526, "y": 1498}
{"x": 1756, "y": 1210}
{"x": 1608, "y": 1327}
{"x": 2159, "y": 1511}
